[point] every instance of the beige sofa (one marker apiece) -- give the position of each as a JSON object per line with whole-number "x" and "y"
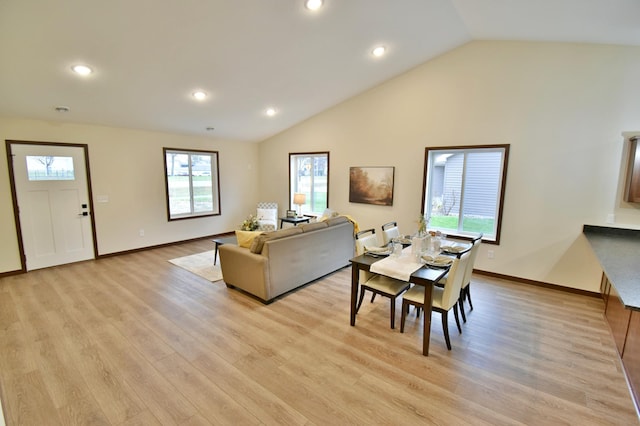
{"x": 280, "y": 261}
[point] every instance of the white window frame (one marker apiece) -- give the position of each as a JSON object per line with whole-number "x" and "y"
{"x": 190, "y": 172}
{"x": 432, "y": 154}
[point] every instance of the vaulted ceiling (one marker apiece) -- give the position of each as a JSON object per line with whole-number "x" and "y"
{"x": 149, "y": 56}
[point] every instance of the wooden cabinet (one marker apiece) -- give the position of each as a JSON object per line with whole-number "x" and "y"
{"x": 633, "y": 172}
{"x": 604, "y": 290}
{"x": 617, "y": 250}
{"x": 625, "y": 328}
{"x": 618, "y": 317}
{"x": 631, "y": 355}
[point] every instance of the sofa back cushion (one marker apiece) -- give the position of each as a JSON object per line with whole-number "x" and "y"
{"x": 336, "y": 220}
{"x": 258, "y": 242}
{"x": 308, "y": 227}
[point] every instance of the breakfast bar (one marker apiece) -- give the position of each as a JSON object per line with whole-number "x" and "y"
{"x": 617, "y": 251}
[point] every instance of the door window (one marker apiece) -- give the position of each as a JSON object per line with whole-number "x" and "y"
{"x": 49, "y": 167}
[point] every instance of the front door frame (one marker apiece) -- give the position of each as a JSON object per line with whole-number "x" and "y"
{"x": 14, "y": 196}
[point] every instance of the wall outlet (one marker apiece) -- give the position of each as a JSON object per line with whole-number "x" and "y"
{"x": 490, "y": 254}
{"x": 141, "y": 232}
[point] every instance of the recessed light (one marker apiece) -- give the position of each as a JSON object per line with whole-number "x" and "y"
{"x": 82, "y": 69}
{"x": 62, "y": 108}
{"x": 313, "y": 4}
{"x": 210, "y": 129}
{"x": 378, "y": 51}
{"x": 271, "y": 111}
{"x": 199, "y": 95}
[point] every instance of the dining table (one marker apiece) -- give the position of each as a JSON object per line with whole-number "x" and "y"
{"x": 424, "y": 276}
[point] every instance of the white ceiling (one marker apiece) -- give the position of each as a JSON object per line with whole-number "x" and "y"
{"x": 150, "y": 55}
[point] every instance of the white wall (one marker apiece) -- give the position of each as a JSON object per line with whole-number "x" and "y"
{"x": 562, "y": 107}
{"x": 127, "y": 166}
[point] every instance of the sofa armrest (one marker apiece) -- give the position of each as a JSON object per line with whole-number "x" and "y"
{"x": 245, "y": 270}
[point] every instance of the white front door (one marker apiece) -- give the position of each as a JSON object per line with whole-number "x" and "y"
{"x": 53, "y": 202}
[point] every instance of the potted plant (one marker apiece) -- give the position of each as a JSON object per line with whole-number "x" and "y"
{"x": 423, "y": 221}
{"x": 250, "y": 223}
{"x": 419, "y": 242}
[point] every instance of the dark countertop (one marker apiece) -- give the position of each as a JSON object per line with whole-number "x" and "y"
{"x": 618, "y": 251}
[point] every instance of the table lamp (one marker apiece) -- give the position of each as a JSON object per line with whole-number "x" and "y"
{"x": 299, "y": 199}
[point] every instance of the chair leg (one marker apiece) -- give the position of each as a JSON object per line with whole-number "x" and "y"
{"x": 455, "y": 314}
{"x": 393, "y": 312}
{"x": 468, "y": 291}
{"x": 445, "y": 329}
{"x": 373, "y": 296}
{"x": 405, "y": 311}
{"x": 360, "y": 300}
{"x": 461, "y": 304}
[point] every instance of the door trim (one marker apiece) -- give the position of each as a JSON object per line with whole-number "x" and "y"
{"x": 14, "y": 196}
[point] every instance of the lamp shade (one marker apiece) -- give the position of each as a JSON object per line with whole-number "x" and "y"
{"x": 299, "y": 198}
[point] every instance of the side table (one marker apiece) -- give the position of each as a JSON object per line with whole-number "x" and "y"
{"x": 295, "y": 220}
{"x": 220, "y": 241}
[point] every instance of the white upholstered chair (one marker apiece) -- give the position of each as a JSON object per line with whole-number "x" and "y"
{"x": 465, "y": 291}
{"x": 377, "y": 284}
{"x": 444, "y": 298}
{"x": 267, "y": 214}
{"x": 389, "y": 231}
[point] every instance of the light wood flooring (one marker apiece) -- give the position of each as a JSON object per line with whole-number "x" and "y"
{"x": 133, "y": 339}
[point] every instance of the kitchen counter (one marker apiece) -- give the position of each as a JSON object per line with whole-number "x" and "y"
{"x": 618, "y": 251}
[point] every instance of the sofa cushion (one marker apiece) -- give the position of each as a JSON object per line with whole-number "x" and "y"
{"x": 245, "y": 238}
{"x": 336, "y": 220}
{"x": 308, "y": 227}
{"x": 258, "y": 242}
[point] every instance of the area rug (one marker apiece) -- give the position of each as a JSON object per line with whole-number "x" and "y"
{"x": 200, "y": 264}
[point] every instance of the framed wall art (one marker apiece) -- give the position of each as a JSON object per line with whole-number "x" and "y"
{"x": 371, "y": 185}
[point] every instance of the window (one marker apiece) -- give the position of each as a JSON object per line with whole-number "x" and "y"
{"x": 309, "y": 175}
{"x": 193, "y": 189}
{"x": 464, "y": 189}
{"x": 49, "y": 167}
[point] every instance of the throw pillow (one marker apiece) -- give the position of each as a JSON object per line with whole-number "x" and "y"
{"x": 267, "y": 219}
{"x": 268, "y": 214}
{"x": 245, "y": 238}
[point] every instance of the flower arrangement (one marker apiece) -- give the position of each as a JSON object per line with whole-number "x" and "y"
{"x": 423, "y": 221}
{"x": 250, "y": 223}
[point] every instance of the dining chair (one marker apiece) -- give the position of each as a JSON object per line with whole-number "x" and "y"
{"x": 443, "y": 298}
{"x": 267, "y": 215}
{"x": 377, "y": 284}
{"x": 465, "y": 291}
{"x": 389, "y": 231}
{"x": 443, "y": 282}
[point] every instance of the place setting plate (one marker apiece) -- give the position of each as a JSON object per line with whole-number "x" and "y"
{"x": 454, "y": 249}
{"x": 439, "y": 262}
{"x": 378, "y": 251}
{"x": 405, "y": 239}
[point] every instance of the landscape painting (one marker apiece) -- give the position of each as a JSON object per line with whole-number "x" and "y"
{"x": 371, "y": 185}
